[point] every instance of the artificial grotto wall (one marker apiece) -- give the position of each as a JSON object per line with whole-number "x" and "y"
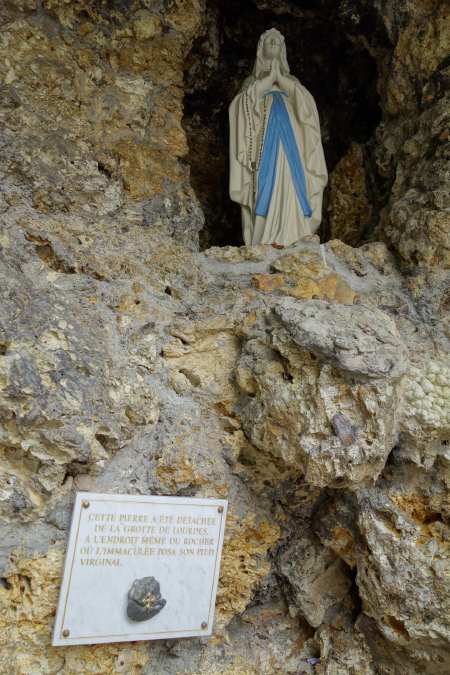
{"x": 312, "y": 394}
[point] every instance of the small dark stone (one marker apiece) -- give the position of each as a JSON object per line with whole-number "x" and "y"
{"x": 344, "y": 429}
{"x": 144, "y": 599}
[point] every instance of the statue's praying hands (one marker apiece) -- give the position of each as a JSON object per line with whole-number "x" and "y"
{"x": 271, "y": 79}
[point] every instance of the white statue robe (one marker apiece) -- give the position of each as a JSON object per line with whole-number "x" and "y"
{"x": 285, "y": 222}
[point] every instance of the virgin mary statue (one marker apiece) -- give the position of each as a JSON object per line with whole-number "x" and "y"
{"x": 277, "y": 165}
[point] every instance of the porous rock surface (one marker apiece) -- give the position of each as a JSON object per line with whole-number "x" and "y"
{"x": 309, "y": 387}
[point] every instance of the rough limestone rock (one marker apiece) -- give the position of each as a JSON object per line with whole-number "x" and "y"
{"x": 318, "y": 578}
{"x": 308, "y": 386}
{"x": 372, "y": 346}
{"x": 343, "y": 652}
{"x": 416, "y": 101}
{"x": 403, "y": 565}
{"x": 290, "y": 405}
{"x": 349, "y": 208}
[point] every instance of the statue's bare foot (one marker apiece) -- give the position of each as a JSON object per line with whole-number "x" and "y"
{"x": 275, "y": 245}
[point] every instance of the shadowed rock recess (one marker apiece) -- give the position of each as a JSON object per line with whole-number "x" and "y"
{"x": 308, "y": 386}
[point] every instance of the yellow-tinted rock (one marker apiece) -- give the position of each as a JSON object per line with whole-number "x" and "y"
{"x": 246, "y": 380}
{"x": 181, "y": 473}
{"x": 237, "y": 254}
{"x": 267, "y": 283}
{"x": 27, "y": 610}
{"x": 104, "y": 97}
{"x": 244, "y": 563}
{"x": 208, "y": 362}
{"x": 146, "y": 25}
{"x": 349, "y": 207}
{"x": 421, "y": 46}
{"x": 343, "y": 545}
{"x": 308, "y": 277}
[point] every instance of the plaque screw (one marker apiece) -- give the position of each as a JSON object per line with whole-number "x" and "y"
{"x": 204, "y": 624}
{"x": 220, "y": 509}
{"x": 85, "y": 504}
{"x": 66, "y": 632}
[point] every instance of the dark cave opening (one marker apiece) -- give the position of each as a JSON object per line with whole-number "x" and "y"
{"x": 327, "y": 58}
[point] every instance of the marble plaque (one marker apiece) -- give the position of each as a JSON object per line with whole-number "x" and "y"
{"x": 140, "y": 568}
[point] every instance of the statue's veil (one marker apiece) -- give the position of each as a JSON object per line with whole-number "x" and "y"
{"x": 262, "y": 65}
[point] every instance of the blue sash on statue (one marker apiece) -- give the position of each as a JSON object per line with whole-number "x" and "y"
{"x": 279, "y": 128}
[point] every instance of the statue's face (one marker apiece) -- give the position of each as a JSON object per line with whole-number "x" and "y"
{"x": 272, "y": 47}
